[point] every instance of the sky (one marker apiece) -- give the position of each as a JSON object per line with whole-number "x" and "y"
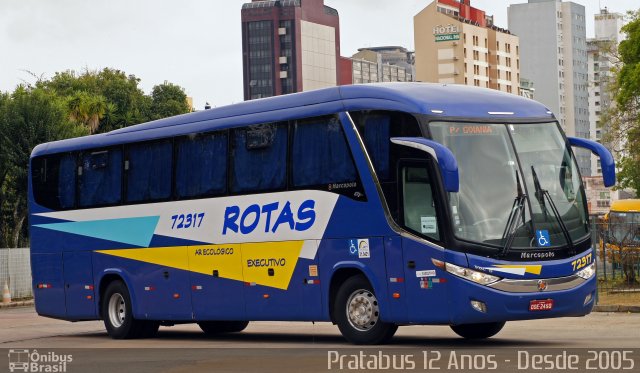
{"x": 193, "y": 43}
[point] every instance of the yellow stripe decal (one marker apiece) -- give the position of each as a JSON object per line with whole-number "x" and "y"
{"x": 264, "y": 263}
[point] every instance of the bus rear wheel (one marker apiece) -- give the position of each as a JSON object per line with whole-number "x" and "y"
{"x": 357, "y": 313}
{"x": 219, "y": 327}
{"x": 117, "y": 313}
{"x": 478, "y": 331}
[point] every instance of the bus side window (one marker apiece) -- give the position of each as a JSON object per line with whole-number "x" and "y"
{"x": 201, "y": 165}
{"x": 259, "y": 158}
{"x": 418, "y": 205}
{"x": 321, "y": 157}
{"x": 54, "y": 181}
{"x": 100, "y": 178}
{"x": 148, "y": 169}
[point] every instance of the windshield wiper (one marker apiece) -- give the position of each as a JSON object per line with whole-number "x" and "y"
{"x": 517, "y": 213}
{"x": 541, "y": 195}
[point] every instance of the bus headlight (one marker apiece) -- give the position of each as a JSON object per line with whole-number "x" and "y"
{"x": 469, "y": 274}
{"x": 587, "y": 272}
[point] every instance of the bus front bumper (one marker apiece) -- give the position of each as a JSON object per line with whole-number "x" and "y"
{"x": 508, "y": 300}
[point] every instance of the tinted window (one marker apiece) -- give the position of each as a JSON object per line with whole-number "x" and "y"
{"x": 201, "y": 165}
{"x": 100, "y": 181}
{"x": 320, "y": 153}
{"x": 149, "y": 168}
{"x": 418, "y": 204}
{"x": 54, "y": 181}
{"x": 259, "y": 158}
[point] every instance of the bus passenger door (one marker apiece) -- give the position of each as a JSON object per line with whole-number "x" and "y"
{"x": 78, "y": 285}
{"x": 425, "y": 285}
{"x": 217, "y": 285}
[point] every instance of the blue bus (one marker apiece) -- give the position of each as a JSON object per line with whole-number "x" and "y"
{"x": 370, "y": 206}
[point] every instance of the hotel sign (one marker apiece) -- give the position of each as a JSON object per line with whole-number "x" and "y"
{"x": 446, "y": 33}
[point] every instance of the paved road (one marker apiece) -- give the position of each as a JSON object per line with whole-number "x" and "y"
{"x": 266, "y": 345}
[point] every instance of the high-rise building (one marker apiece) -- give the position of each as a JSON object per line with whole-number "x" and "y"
{"x": 601, "y": 51}
{"x": 457, "y": 43}
{"x": 601, "y": 59}
{"x": 289, "y": 46}
{"x": 378, "y": 64}
{"x": 553, "y": 54}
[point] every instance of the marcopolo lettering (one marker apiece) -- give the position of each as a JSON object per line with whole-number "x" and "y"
{"x": 269, "y": 217}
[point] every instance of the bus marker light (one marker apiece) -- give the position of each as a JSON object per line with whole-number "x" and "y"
{"x": 313, "y": 282}
{"x": 588, "y": 299}
{"x": 265, "y": 296}
{"x": 250, "y": 284}
{"x": 44, "y": 286}
{"x": 176, "y": 296}
{"x": 149, "y": 288}
{"x": 479, "y": 306}
{"x": 396, "y": 295}
{"x": 88, "y": 287}
{"x": 89, "y": 297}
{"x": 438, "y": 263}
{"x": 196, "y": 287}
{"x": 396, "y": 279}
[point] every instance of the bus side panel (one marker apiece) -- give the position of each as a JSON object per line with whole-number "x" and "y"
{"x": 427, "y": 287}
{"x": 157, "y": 292}
{"x": 395, "y": 273}
{"x": 48, "y": 284}
{"x": 339, "y": 254}
{"x": 78, "y": 278}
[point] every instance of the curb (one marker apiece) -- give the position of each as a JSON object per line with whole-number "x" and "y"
{"x": 615, "y": 308}
{"x": 24, "y": 303}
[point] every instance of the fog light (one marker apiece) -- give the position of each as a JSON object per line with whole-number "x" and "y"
{"x": 588, "y": 299}
{"x": 479, "y": 306}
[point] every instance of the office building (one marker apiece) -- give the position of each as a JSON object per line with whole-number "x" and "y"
{"x": 379, "y": 64}
{"x": 601, "y": 60}
{"x": 553, "y": 54}
{"x": 457, "y": 43}
{"x": 289, "y": 46}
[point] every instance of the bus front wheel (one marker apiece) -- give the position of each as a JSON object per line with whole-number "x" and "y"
{"x": 357, "y": 313}
{"x": 218, "y": 327}
{"x": 118, "y": 318}
{"x": 478, "y": 331}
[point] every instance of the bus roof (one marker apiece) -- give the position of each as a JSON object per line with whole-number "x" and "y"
{"x": 626, "y": 205}
{"x": 439, "y": 100}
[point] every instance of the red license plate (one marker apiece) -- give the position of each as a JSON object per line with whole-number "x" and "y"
{"x": 541, "y": 305}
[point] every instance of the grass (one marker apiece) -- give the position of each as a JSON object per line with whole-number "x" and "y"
{"x": 620, "y": 299}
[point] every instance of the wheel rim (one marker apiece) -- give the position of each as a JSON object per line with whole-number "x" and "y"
{"x": 117, "y": 310}
{"x": 362, "y": 310}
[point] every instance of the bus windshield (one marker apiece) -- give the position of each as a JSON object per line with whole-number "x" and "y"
{"x": 500, "y": 162}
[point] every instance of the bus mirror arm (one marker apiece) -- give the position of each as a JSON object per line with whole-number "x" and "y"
{"x": 445, "y": 159}
{"x": 606, "y": 159}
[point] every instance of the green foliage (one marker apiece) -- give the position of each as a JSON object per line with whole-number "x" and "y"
{"x": 624, "y": 118}
{"x": 67, "y": 105}
{"x": 168, "y": 100}
{"x": 30, "y": 116}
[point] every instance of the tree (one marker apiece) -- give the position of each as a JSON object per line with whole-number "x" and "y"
{"x": 168, "y": 100}
{"x": 625, "y": 116}
{"x": 102, "y": 100}
{"x": 30, "y": 116}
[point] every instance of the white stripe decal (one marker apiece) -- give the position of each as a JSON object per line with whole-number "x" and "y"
{"x": 284, "y": 216}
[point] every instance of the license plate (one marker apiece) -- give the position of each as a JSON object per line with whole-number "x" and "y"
{"x": 541, "y": 305}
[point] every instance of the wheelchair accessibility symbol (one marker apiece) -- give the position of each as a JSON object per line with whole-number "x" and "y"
{"x": 353, "y": 249}
{"x": 542, "y": 236}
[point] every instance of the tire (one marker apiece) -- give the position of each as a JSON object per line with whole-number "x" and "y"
{"x": 219, "y": 327}
{"x": 357, "y": 314}
{"x": 478, "y": 331}
{"x": 118, "y": 316}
